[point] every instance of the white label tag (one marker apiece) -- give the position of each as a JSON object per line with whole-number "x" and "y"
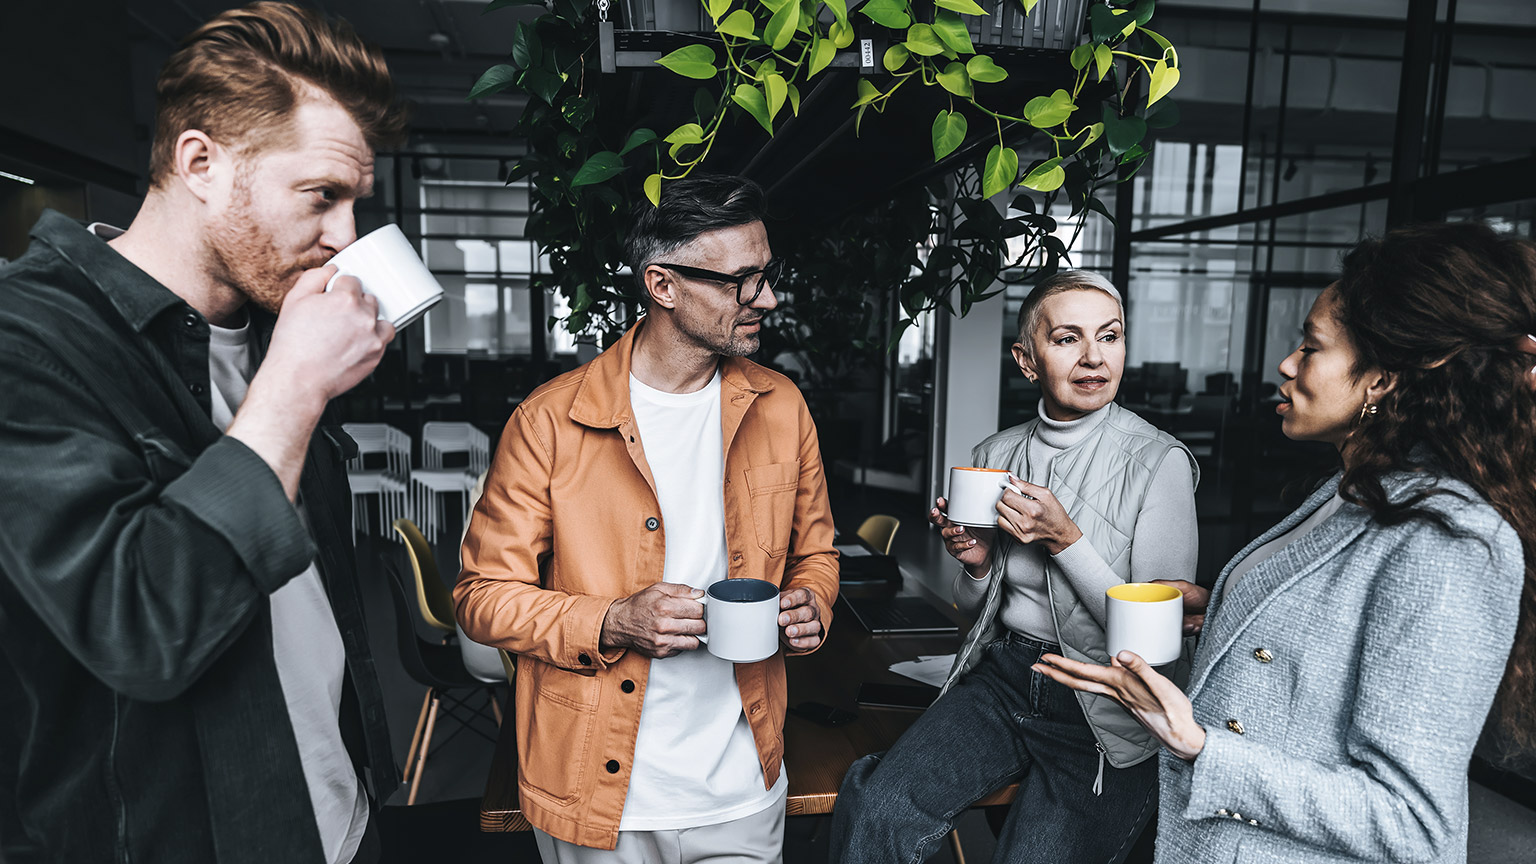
{"x": 866, "y": 52}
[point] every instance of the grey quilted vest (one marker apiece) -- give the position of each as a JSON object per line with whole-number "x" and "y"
{"x": 1102, "y": 482}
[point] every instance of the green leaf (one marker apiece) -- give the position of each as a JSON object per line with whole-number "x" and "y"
{"x": 1164, "y": 79}
{"x": 1047, "y": 176}
{"x": 949, "y": 129}
{"x": 716, "y": 8}
{"x": 637, "y": 138}
{"x": 739, "y": 23}
{"x": 774, "y": 5}
{"x": 821, "y": 55}
{"x": 1142, "y": 11}
{"x": 777, "y": 90}
{"x": 839, "y": 9}
{"x": 1103, "y": 58}
{"x": 890, "y": 13}
{"x": 1163, "y": 115}
{"x": 967, "y": 7}
{"x": 1097, "y": 206}
{"x": 922, "y": 40}
{"x": 688, "y": 133}
{"x": 868, "y": 93}
{"x": 781, "y": 27}
{"x": 752, "y": 99}
{"x": 1169, "y": 52}
{"x": 691, "y": 61}
{"x": 794, "y": 100}
{"x": 542, "y": 84}
{"x": 1081, "y": 55}
{"x": 527, "y": 49}
{"x": 1002, "y": 168}
{"x": 599, "y": 167}
{"x": 841, "y": 34}
{"x": 1044, "y": 112}
{"x": 1122, "y": 133}
{"x": 983, "y": 71}
{"x": 1103, "y": 23}
{"x": 952, "y": 31}
{"x": 495, "y": 79}
{"x": 1094, "y": 133}
{"x": 578, "y": 111}
{"x": 955, "y": 80}
{"x": 1029, "y": 5}
{"x": 895, "y": 57}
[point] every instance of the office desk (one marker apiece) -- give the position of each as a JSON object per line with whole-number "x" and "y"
{"x": 815, "y": 756}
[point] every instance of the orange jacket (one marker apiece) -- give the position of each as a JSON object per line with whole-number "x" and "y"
{"x": 569, "y": 522}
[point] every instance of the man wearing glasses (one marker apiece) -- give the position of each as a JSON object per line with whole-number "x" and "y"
{"x": 619, "y": 492}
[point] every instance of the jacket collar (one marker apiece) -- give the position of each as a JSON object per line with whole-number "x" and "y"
{"x": 135, "y": 294}
{"x": 602, "y": 398}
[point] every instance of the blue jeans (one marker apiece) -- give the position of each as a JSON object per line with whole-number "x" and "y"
{"x": 1002, "y": 722}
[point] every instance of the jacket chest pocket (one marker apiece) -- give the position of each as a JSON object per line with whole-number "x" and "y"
{"x": 772, "y": 491}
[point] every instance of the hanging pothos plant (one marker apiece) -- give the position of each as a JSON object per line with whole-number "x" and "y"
{"x": 585, "y": 165}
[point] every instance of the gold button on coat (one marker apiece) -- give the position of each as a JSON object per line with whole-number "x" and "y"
{"x": 1262, "y": 655}
{"x": 1235, "y": 726}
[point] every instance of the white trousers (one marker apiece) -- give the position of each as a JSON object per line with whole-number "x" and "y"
{"x": 755, "y": 839}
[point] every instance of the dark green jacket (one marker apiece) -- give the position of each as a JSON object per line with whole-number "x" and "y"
{"x": 141, "y": 716}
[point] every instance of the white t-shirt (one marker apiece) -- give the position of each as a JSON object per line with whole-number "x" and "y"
{"x": 695, "y": 760}
{"x": 311, "y": 660}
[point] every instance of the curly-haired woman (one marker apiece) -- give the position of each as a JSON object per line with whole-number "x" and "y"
{"x": 1351, "y": 653}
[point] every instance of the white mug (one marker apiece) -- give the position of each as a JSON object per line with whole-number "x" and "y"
{"x": 741, "y": 620}
{"x": 389, "y": 268}
{"x": 1146, "y": 619}
{"x": 973, "y": 494}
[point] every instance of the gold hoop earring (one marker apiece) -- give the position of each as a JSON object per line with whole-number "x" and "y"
{"x": 1369, "y": 409}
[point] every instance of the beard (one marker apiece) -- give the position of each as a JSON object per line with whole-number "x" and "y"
{"x": 733, "y": 344}
{"x": 245, "y": 255}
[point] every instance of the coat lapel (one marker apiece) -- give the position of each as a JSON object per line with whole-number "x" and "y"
{"x": 1227, "y": 617}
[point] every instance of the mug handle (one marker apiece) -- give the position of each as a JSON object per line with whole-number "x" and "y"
{"x": 704, "y": 637}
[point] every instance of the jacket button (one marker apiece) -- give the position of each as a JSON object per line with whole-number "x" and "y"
{"x": 613, "y": 766}
{"x": 1223, "y": 812}
{"x": 1262, "y": 655}
{"x": 757, "y": 709}
{"x": 1235, "y": 726}
{"x": 652, "y": 523}
{"x": 1253, "y": 822}
{"x": 627, "y": 686}
{"x": 196, "y": 387}
{"x": 1236, "y": 815}
{"x": 583, "y": 659}
{"x": 736, "y": 557}
{"x": 190, "y": 319}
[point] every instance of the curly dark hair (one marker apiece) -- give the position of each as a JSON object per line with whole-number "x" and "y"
{"x": 1446, "y": 309}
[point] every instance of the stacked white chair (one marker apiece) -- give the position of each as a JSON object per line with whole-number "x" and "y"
{"x": 433, "y": 482}
{"x": 389, "y": 484}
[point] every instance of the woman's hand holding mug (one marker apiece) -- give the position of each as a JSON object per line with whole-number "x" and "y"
{"x": 1033, "y": 515}
{"x": 969, "y": 545}
{"x": 1195, "y": 601}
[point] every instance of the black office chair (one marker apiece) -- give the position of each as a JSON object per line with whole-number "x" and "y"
{"x": 440, "y": 668}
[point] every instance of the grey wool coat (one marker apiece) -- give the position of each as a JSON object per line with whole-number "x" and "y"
{"x": 1342, "y": 687}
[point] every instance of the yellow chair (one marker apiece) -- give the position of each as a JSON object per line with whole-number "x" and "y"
{"x": 878, "y": 531}
{"x": 431, "y": 594}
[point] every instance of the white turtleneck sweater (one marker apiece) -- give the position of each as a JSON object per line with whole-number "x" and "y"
{"x": 1165, "y": 545}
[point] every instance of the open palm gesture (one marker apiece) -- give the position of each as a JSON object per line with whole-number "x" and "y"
{"x": 1152, "y": 699}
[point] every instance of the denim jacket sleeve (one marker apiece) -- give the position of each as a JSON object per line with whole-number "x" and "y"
{"x": 145, "y": 560}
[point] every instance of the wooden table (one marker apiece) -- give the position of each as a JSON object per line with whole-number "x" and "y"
{"x": 815, "y": 756}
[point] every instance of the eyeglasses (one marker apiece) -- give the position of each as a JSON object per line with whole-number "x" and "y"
{"x": 756, "y": 279}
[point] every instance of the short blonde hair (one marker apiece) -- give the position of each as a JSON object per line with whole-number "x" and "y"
{"x": 240, "y": 76}
{"x": 1060, "y": 283}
